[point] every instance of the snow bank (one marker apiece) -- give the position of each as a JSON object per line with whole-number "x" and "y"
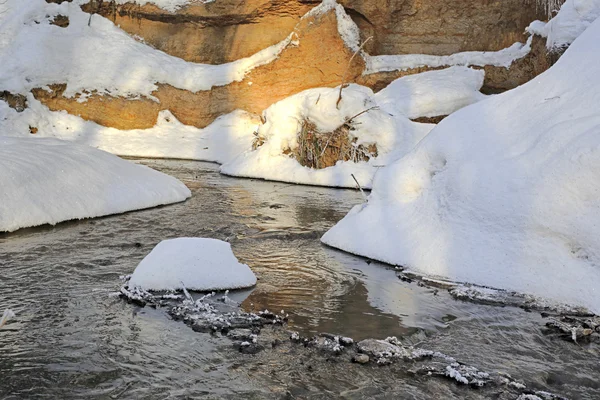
{"x": 433, "y": 93}
{"x": 46, "y": 181}
{"x": 503, "y": 193}
{"x": 387, "y": 125}
{"x": 223, "y": 140}
{"x": 394, "y": 136}
{"x": 194, "y": 264}
{"x": 574, "y": 17}
{"x": 98, "y": 57}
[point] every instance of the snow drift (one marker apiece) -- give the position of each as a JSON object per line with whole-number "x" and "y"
{"x": 192, "y": 263}
{"x": 432, "y": 93}
{"x": 504, "y": 193}
{"x": 47, "y": 181}
{"x": 221, "y": 141}
{"x": 573, "y": 18}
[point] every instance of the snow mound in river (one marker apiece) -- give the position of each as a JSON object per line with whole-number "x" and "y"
{"x": 46, "y": 181}
{"x": 504, "y": 193}
{"x": 192, "y": 263}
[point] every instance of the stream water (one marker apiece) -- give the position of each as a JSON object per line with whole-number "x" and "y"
{"x": 72, "y": 339}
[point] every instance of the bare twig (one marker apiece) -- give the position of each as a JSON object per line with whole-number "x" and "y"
{"x": 348, "y": 69}
{"x": 349, "y": 120}
{"x": 361, "y": 189}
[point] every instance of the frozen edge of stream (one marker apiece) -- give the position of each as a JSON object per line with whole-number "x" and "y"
{"x": 251, "y": 333}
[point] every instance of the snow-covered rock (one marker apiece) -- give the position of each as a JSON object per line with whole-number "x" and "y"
{"x": 503, "y": 193}
{"x": 192, "y": 263}
{"x": 46, "y": 181}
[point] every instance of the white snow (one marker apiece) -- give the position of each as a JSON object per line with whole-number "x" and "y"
{"x": 401, "y": 62}
{"x": 394, "y": 136}
{"x": 574, "y": 17}
{"x": 503, "y": 193}
{"x": 100, "y": 57}
{"x": 46, "y": 181}
{"x": 348, "y": 30}
{"x": 223, "y": 140}
{"x": 194, "y": 264}
{"x": 388, "y": 126}
{"x": 7, "y": 316}
{"x": 432, "y": 93}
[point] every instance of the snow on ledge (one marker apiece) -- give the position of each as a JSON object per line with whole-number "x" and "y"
{"x": 402, "y": 62}
{"x": 47, "y": 181}
{"x": 194, "y": 264}
{"x": 94, "y": 55}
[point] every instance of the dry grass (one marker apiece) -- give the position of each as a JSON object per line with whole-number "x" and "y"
{"x": 319, "y": 150}
{"x": 324, "y": 149}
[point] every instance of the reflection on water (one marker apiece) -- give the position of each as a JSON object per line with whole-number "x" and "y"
{"x": 71, "y": 340}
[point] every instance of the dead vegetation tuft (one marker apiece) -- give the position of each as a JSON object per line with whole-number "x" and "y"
{"x": 16, "y": 101}
{"x": 318, "y": 150}
{"x": 61, "y": 21}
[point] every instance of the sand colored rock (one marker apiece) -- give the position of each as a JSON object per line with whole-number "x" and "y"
{"x": 227, "y": 30}
{"x": 497, "y": 79}
{"x": 442, "y": 27}
{"x": 212, "y": 33}
{"x": 320, "y": 60}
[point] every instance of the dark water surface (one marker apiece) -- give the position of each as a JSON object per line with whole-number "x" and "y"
{"x": 72, "y": 339}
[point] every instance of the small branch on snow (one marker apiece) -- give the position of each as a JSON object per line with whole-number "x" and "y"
{"x": 360, "y": 187}
{"x": 349, "y": 120}
{"x": 337, "y": 104}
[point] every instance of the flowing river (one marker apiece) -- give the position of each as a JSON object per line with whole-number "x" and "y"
{"x": 72, "y": 339}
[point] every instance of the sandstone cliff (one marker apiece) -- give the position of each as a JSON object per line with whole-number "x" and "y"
{"x": 227, "y": 30}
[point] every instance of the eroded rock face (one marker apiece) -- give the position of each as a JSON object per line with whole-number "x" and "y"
{"x": 497, "y": 79}
{"x": 212, "y": 33}
{"x": 320, "y": 60}
{"x": 226, "y": 30}
{"x": 442, "y": 27}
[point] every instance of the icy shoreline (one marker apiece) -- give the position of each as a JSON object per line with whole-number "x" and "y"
{"x": 266, "y": 333}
